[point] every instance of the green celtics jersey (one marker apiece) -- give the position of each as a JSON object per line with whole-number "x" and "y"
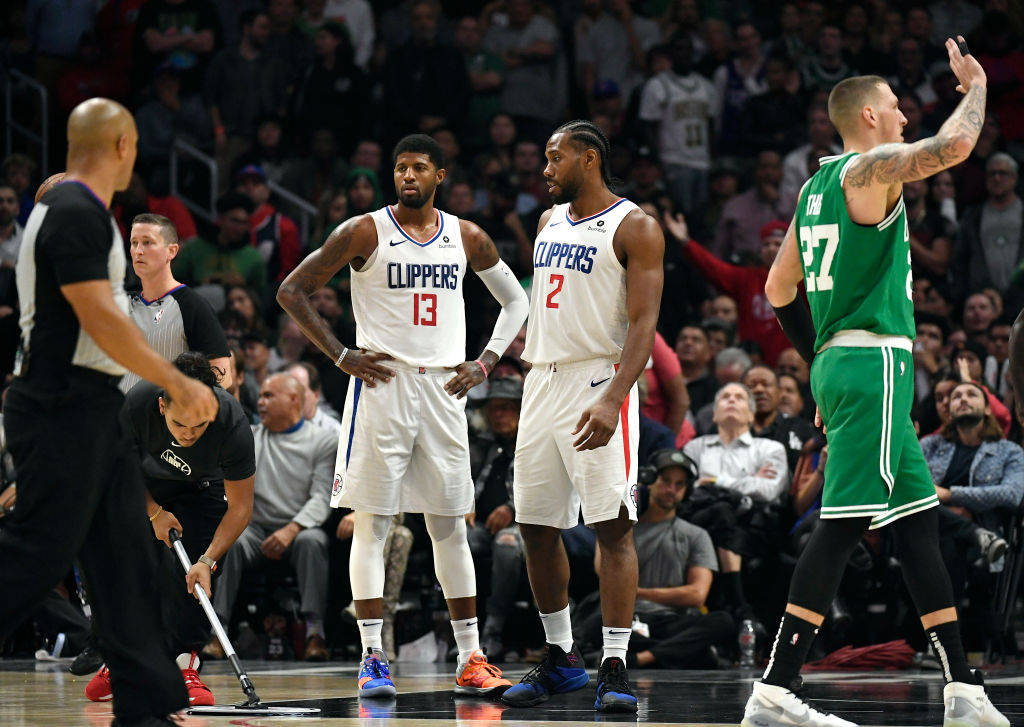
{"x": 857, "y": 276}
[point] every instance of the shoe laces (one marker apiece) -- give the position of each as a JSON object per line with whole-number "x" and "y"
{"x": 613, "y": 677}
{"x": 487, "y": 667}
{"x": 192, "y": 680}
{"x": 540, "y": 674}
{"x": 376, "y": 666}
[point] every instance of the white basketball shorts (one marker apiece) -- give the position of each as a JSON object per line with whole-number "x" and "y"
{"x": 404, "y": 446}
{"x": 551, "y": 479}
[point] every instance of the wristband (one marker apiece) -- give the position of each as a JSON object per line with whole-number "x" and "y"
{"x": 486, "y": 372}
{"x": 344, "y": 353}
{"x": 153, "y": 516}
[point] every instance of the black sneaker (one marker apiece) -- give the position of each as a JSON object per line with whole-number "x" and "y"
{"x": 557, "y": 673}
{"x": 88, "y": 661}
{"x": 613, "y": 692}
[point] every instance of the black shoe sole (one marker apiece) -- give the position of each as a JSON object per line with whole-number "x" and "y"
{"x": 530, "y": 703}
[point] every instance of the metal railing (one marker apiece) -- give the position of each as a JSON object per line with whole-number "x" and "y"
{"x": 305, "y": 211}
{"x": 17, "y": 79}
{"x": 184, "y": 149}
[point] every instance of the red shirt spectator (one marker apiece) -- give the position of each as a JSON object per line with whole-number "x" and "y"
{"x": 667, "y": 398}
{"x": 275, "y": 235}
{"x": 757, "y": 321}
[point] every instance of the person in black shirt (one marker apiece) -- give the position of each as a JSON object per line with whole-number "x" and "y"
{"x": 494, "y": 538}
{"x": 199, "y": 480}
{"x": 79, "y": 488}
{"x": 791, "y": 432}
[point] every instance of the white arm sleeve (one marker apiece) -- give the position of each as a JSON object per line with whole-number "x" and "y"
{"x": 514, "y": 305}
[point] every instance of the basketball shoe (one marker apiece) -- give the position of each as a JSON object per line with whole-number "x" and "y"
{"x": 557, "y": 673}
{"x": 772, "y": 706}
{"x": 967, "y": 705}
{"x": 477, "y": 676}
{"x": 199, "y": 695}
{"x": 98, "y": 688}
{"x": 613, "y": 692}
{"x": 375, "y": 676}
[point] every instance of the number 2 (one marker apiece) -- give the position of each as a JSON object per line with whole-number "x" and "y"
{"x": 557, "y": 281}
{"x": 428, "y": 317}
{"x": 810, "y": 238}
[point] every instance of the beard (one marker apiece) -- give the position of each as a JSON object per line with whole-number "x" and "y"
{"x": 416, "y": 201}
{"x": 567, "y": 191}
{"x": 968, "y": 420}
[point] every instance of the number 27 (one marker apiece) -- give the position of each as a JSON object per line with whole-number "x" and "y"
{"x": 810, "y": 238}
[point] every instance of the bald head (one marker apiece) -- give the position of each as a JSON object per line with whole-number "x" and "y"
{"x": 849, "y": 97}
{"x": 281, "y": 402}
{"x": 102, "y": 142}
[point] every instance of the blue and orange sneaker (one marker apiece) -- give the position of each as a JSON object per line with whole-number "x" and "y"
{"x": 613, "y": 692}
{"x": 375, "y": 676}
{"x": 558, "y": 672}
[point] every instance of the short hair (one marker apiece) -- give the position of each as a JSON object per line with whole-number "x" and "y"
{"x": 765, "y": 367}
{"x": 311, "y": 373}
{"x": 420, "y": 144}
{"x": 167, "y": 229}
{"x": 931, "y": 319}
{"x": 196, "y": 366}
{"x": 19, "y": 161}
{"x": 1002, "y": 156}
{"x": 849, "y": 97}
{"x": 749, "y": 393}
{"x": 588, "y": 135}
{"x": 732, "y": 357}
{"x": 233, "y": 201}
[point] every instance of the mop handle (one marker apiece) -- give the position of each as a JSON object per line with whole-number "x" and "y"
{"x": 222, "y": 636}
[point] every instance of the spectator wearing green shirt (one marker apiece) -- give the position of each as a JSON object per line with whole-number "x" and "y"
{"x": 230, "y": 260}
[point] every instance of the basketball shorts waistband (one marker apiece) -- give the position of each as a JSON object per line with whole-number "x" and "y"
{"x": 559, "y": 366}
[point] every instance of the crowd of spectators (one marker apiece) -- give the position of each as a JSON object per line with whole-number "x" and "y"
{"x": 717, "y": 115}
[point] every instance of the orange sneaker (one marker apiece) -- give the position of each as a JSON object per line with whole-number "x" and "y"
{"x": 476, "y": 676}
{"x": 199, "y": 695}
{"x": 98, "y": 688}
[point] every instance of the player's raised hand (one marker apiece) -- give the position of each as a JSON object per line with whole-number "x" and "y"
{"x": 965, "y": 67}
{"x": 596, "y": 426}
{"x": 467, "y": 375}
{"x": 366, "y": 365}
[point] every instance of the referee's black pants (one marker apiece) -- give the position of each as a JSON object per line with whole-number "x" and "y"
{"x": 80, "y": 493}
{"x": 199, "y": 507}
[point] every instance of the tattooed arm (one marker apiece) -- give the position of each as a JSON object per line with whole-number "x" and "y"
{"x": 889, "y": 164}
{"x": 351, "y": 242}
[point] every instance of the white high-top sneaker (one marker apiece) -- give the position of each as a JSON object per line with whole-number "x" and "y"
{"x": 772, "y": 706}
{"x": 967, "y": 705}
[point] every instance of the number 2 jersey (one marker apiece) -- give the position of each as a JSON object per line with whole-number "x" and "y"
{"x": 578, "y": 300}
{"x": 407, "y": 299}
{"x": 857, "y": 276}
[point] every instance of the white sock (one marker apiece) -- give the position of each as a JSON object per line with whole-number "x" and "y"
{"x": 616, "y": 641}
{"x": 187, "y": 660}
{"x": 369, "y": 633}
{"x": 467, "y": 637}
{"x": 558, "y": 629}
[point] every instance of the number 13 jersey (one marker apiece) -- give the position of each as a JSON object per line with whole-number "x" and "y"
{"x": 578, "y": 300}
{"x": 857, "y": 276}
{"x": 407, "y": 299}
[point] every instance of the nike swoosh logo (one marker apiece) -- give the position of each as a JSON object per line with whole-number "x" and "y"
{"x": 598, "y": 383}
{"x": 393, "y": 243}
{"x": 175, "y": 444}
{"x": 555, "y": 223}
{"x": 624, "y": 631}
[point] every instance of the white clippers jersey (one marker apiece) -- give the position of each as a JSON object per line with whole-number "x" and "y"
{"x": 407, "y": 299}
{"x": 578, "y": 300}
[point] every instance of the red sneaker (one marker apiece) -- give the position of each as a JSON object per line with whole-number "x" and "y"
{"x": 199, "y": 695}
{"x": 98, "y": 688}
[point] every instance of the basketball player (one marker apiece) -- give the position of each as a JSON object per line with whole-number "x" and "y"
{"x": 173, "y": 317}
{"x": 199, "y": 481}
{"x": 596, "y": 293}
{"x": 404, "y": 444}
{"x": 79, "y": 487}
{"x": 849, "y": 243}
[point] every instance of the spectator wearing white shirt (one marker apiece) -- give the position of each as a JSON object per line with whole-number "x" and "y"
{"x": 613, "y": 47}
{"x": 358, "y": 18}
{"x": 739, "y": 473}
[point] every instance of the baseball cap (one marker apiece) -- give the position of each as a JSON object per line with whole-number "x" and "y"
{"x": 507, "y": 387}
{"x": 665, "y": 458}
{"x": 772, "y": 227}
{"x": 251, "y": 170}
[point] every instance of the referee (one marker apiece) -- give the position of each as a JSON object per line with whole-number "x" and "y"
{"x": 172, "y": 317}
{"x": 79, "y": 486}
{"x": 199, "y": 481}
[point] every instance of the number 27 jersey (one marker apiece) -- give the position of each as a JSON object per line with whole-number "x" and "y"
{"x": 578, "y": 299}
{"x": 857, "y": 276}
